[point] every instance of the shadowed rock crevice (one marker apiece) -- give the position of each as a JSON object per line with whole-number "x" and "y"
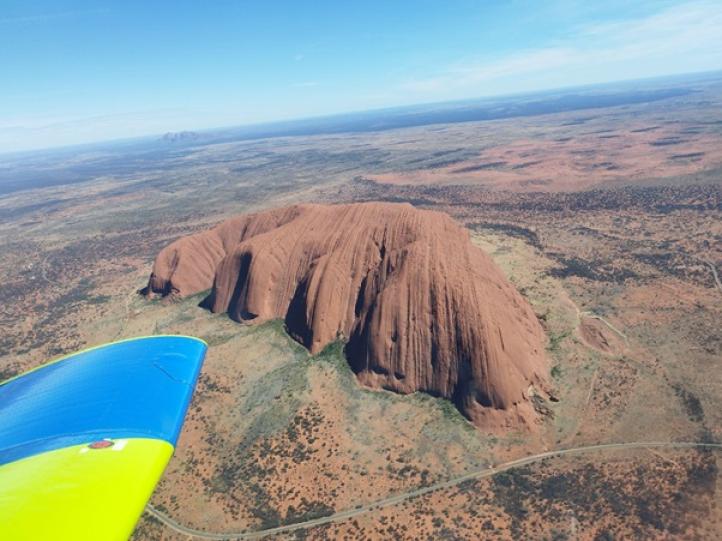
{"x": 295, "y": 321}
{"x": 422, "y": 309}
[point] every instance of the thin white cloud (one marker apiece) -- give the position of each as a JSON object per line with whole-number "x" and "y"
{"x": 684, "y": 38}
{"x": 43, "y": 17}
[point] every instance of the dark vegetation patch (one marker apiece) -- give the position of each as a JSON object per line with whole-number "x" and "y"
{"x": 595, "y": 270}
{"x": 510, "y": 489}
{"x": 661, "y": 261}
{"x": 691, "y": 403}
{"x": 510, "y": 229}
{"x": 688, "y": 156}
{"x": 535, "y": 182}
{"x": 308, "y": 510}
{"x": 48, "y": 206}
{"x": 578, "y": 121}
{"x": 98, "y": 299}
{"x": 526, "y": 164}
{"x": 644, "y": 497}
{"x": 588, "y": 232}
{"x": 437, "y": 154}
{"x": 667, "y": 141}
{"x": 443, "y": 163}
{"x": 479, "y": 167}
{"x": 657, "y": 199}
{"x": 246, "y": 477}
{"x": 7, "y": 372}
{"x": 247, "y": 168}
{"x": 608, "y": 166}
{"x": 674, "y": 263}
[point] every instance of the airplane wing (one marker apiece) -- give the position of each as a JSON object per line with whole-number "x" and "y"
{"x": 85, "y": 439}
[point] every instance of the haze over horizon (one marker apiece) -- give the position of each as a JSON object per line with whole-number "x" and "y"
{"x": 81, "y": 72}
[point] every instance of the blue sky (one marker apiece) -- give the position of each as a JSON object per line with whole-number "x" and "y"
{"x": 76, "y": 72}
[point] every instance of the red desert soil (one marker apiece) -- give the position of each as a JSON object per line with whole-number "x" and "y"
{"x": 597, "y": 335}
{"x": 571, "y": 164}
{"x": 421, "y": 307}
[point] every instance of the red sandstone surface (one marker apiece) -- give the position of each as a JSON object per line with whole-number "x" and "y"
{"x": 420, "y": 307}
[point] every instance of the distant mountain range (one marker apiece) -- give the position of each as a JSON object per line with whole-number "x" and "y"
{"x": 180, "y": 136}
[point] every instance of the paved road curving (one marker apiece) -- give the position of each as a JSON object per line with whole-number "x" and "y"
{"x": 399, "y": 498}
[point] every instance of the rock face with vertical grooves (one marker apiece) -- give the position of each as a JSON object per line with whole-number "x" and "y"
{"x": 419, "y": 306}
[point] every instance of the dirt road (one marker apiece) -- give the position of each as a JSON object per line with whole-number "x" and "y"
{"x": 399, "y": 498}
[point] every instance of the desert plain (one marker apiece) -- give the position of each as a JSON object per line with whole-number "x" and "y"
{"x": 607, "y": 220}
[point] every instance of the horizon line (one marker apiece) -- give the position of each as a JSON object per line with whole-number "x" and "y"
{"x": 298, "y": 119}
